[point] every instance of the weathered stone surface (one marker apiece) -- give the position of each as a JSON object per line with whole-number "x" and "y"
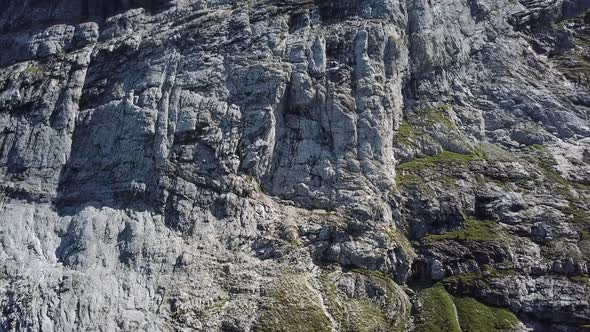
{"x": 207, "y": 165}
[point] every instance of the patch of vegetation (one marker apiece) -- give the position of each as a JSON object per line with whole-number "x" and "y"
{"x": 475, "y": 316}
{"x": 577, "y": 215}
{"x": 443, "y": 158}
{"x": 399, "y": 41}
{"x": 35, "y": 70}
{"x": 293, "y": 308}
{"x": 202, "y": 312}
{"x": 475, "y": 230}
{"x": 560, "y": 185}
{"x": 483, "y": 180}
{"x": 581, "y": 279}
{"x": 406, "y": 133}
{"x": 375, "y": 275}
{"x": 448, "y": 181}
{"x": 478, "y": 279}
{"x": 471, "y": 280}
{"x": 491, "y": 272}
{"x": 584, "y": 243}
{"x": 493, "y": 152}
{"x": 432, "y": 116}
{"x": 362, "y": 314}
{"x": 438, "y": 311}
{"x": 546, "y": 162}
{"x": 428, "y": 173}
{"x": 581, "y": 67}
{"x": 556, "y": 249}
{"x": 396, "y": 236}
{"x": 421, "y": 123}
{"x": 253, "y": 182}
{"x": 574, "y": 62}
{"x": 443, "y": 312}
{"x": 408, "y": 179}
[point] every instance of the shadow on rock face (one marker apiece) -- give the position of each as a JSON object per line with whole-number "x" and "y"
{"x": 109, "y": 166}
{"x": 100, "y": 9}
{"x": 547, "y": 13}
{"x": 18, "y": 15}
{"x": 336, "y": 10}
{"x": 37, "y": 29}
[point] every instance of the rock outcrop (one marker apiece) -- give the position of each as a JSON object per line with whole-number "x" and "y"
{"x": 295, "y": 165}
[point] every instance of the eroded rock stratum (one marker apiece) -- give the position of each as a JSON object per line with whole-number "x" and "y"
{"x": 294, "y": 165}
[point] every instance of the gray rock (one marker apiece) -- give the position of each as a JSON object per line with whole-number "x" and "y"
{"x": 176, "y": 165}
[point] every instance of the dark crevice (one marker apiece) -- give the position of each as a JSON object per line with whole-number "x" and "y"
{"x": 19, "y": 15}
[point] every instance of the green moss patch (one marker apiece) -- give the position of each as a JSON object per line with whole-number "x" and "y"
{"x": 540, "y": 156}
{"x": 401, "y": 240}
{"x": 475, "y": 316}
{"x": 478, "y": 279}
{"x": 584, "y": 243}
{"x": 475, "y": 230}
{"x": 569, "y": 190}
{"x": 407, "y": 133}
{"x": 418, "y": 172}
{"x": 438, "y": 311}
{"x": 433, "y": 116}
{"x": 419, "y": 126}
{"x": 408, "y": 180}
{"x": 293, "y": 307}
{"x": 577, "y": 215}
{"x": 470, "y": 280}
{"x": 365, "y": 314}
{"x": 575, "y": 67}
{"x": 581, "y": 279}
{"x": 492, "y": 152}
{"x": 574, "y": 63}
{"x": 557, "y": 249}
{"x": 576, "y": 210}
{"x": 443, "y": 158}
{"x": 441, "y": 312}
{"x": 35, "y": 70}
{"x": 543, "y": 158}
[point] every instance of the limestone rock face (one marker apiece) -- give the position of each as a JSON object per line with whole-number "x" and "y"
{"x": 294, "y": 165}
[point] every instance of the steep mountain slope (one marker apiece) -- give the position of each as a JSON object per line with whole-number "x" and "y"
{"x": 295, "y": 165}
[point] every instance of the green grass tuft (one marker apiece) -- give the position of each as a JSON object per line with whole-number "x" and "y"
{"x": 354, "y": 314}
{"x": 581, "y": 279}
{"x": 293, "y": 307}
{"x": 475, "y": 316}
{"x": 584, "y": 243}
{"x": 442, "y": 312}
{"x": 438, "y": 311}
{"x": 470, "y": 280}
{"x": 400, "y": 239}
{"x": 478, "y": 279}
{"x": 406, "y": 133}
{"x": 576, "y": 215}
{"x": 35, "y": 70}
{"x": 433, "y": 116}
{"x": 443, "y": 158}
{"x": 475, "y": 230}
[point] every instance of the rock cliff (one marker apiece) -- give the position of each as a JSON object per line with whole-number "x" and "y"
{"x": 295, "y": 165}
